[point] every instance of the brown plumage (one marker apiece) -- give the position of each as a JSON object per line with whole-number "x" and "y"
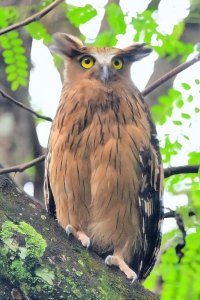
{"x": 103, "y": 169}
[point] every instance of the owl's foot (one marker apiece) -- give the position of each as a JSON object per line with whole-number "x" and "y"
{"x": 115, "y": 260}
{"x": 79, "y": 235}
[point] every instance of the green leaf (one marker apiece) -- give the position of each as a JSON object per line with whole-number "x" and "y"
{"x": 19, "y": 50}
{"x": 9, "y": 60}
{"x": 80, "y": 15}
{"x": 197, "y": 81}
{"x": 45, "y": 274}
{"x": 179, "y": 103}
{"x": 186, "y": 86}
{"x": 106, "y": 39}
{"x": 16, "y": 42}
{"x": 20, "y": 57}
{"x": 178, "y": 30}
{"x": 21, "y": 64}
{"x": 10, "y": 69}
{"x": 14, "y": 85}
{"x": 177, "y": 145}
{"x": 4, "y": 42}
{"x": 38, "y": 32}
{"x": 190, "y": 98}
{"x": 197, "y": 110}
{"x": 178, "y": 123}
{"x": 116, "y": 18}
{"x": 22, "y": 72}
{"x": 12, "y": 35}
{"x": 173, "y": 93}
{"x": 23, "y": 81}
{"x": 185, "y": 116}
{"x": 165, "y": 99}
{"x": 8, "y": 53}
{"x": 11, "y": 77}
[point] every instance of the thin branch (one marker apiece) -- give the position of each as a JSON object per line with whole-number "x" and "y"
{"x": 179, "y": 247}
{"x": 35, "y": 17}
{"x": 170, "y": 74}
{"x": 8, "y": 97}
{"x": 22, "y": 167}
{"x": 172, "y": 213}
{"x": 181, "y": 170}
{"x": 169, "y": 214}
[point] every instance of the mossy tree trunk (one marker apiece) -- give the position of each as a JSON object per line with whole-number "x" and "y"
{"x": 37, "y": 261}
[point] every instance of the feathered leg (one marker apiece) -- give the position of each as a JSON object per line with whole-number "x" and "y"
{"x": 117, "y": 260}
{"x": 79, "y": 235}
{"x": 70, "y": 186}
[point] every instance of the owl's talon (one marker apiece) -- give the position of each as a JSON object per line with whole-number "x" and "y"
{"x": 115, "y": 260}
{"x": 69, "y": 230}
{"x": 79, "y": 235}
{"x": 134, "y": 278}
{"x": 108, "y": 260}
{"x": 85, "y": 240}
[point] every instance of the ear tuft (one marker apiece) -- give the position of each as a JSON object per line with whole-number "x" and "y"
{"x": 67, "y": 45}
{"x": 136, "y": 52}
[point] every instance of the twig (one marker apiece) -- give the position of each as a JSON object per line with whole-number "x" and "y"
{"x": 8, "y": 97}
{"x": 181, "y": 170}
{"x": 179, "y": 247}
{"x": 35, "y": 17}
{"x": 170, "y": 74}
{"x": 22, "y": 167}
{"x": 180, "y": 223}
{"x": 170, "y": 214}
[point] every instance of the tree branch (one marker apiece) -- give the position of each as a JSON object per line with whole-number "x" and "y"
{"x": 46, "y": 264}
{"x": 8, "y": 97}
{"x": 169, "y": 214}
{"x": 22, "y": 167}
{"x": 35, "y": 17}
{"x": 170, "y": 74}
{"x": 181, "y": 170}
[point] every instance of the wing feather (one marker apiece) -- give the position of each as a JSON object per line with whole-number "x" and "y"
{"x": 48, "y": 195}
{"x": 150, "y": 203}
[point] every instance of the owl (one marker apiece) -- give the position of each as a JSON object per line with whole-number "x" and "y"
{"x": 103, "y": 172}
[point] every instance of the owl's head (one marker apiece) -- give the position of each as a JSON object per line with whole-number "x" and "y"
{"x": 103, "y": 64}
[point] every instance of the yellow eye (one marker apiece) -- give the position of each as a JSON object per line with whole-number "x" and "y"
{"x": 87, "y": 62}
{"x": 117, "y": 63}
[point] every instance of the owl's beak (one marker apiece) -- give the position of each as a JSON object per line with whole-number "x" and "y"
{"x": 104, "y": 73}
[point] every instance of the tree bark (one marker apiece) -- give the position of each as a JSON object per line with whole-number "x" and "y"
{"x": 18, "y": 134}
{"x": 37, "y": 261}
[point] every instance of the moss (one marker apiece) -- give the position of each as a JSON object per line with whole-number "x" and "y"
{"x": 19, "y": 270}
{"x": 75, "y": 291}
{"x": 91, "y": 265}
{"x": 55, "y": 273}
{"x": 35, "y": 244}
{"x": 105, "y": 288}
{"x": 20, "y": 257}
